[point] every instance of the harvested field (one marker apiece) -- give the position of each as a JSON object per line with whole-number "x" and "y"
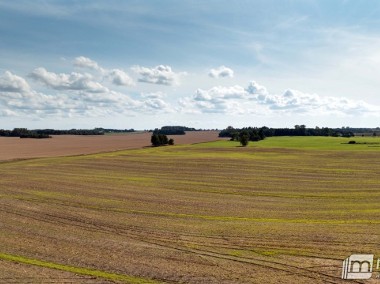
{"x": 205, "y": 213}
{"x": 66, "y": 145}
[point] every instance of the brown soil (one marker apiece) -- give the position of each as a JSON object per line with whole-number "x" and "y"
{"x": 191, "y": 214}
{"x": 67, "y": 145}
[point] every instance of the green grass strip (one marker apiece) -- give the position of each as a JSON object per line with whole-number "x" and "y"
{"x": 78, "y": 270}
{"x": 263, "y": 220}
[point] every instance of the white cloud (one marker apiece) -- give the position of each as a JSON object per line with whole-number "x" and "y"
{"x": 72, "y": 81}
{"x": 219, "y": 92}
{"x": 154, "y": 95}
{"x": 255, "y": 88}
{"x": 256, "y": 99}
{"x": 13, "y": 83}
{"x": 215, "y": 100}
{"x": 157, "y": 104}
{"x": 120, "y": 78}
{"x": 161, "y": 75}
{"x": 71, "y": 95}
{"x": 313, "y": 104}
{"x": 85, "y": 62}
{"x": 221, "y": 72}
{"x": 32, "y": 103}
{"x": 117, "y": 77}
{"x": 83, "y": 95}
{"x": 81, "y": 104}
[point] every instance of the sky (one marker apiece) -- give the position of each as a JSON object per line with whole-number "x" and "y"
{"x": 204, "y": 64}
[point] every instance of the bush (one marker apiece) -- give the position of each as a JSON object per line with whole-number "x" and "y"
{"x": 171, "y": 141}
{"x": 160, "y": 139}
{"x": 352, "y": 142}
{"x": 244, "y": 141}
{"x": 244, "y": 138}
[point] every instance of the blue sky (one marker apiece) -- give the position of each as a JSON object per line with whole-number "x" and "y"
{"x": 205, "y": 64}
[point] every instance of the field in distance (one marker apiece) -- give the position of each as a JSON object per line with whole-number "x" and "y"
{"x": 66, "y": 145}
{"x": 283, "y": 210}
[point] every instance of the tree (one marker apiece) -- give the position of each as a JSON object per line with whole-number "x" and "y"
{"x": 164, "y": 139}
{"x": 244, "y": 138}
{"x": 235, "y": 137}
{"x": 159, "y": 140}
{"x": 155, "y": 139}
{"x": 171, "y": 141}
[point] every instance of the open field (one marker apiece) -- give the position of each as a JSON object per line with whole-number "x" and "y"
{"x": 283, "y": 210}
{"x": 66, "y": 145}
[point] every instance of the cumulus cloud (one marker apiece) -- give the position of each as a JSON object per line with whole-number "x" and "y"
{"x": 71, "y": 95}
{"x": 157, "y": 104}
{"x": 62, "y": 81}
{"x": 85, "y": 62}
{"x": 120, "y": 78}
{"x": 13, "y": 83}
{"x": 117, "y": 77}
{"x": 33, "y": 103}
{"x": 313, "y": 104}
{"x": 79, "y": 94}
{"x": 256, "y": 99}
{"x": 81, "y": 104}
{"x": 161, "y": 75}
{"x": 156, "y": 101}
{"x": 255, "y": 88}
{"x": 221, "y": 72}
{"x": 215, "y": 100}
{"x": 83, "y": 94}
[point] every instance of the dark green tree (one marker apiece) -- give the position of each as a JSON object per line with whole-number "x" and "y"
{"x": 164, "y": 139}
{"x": 244, "y": 138}
{"x": 159, "y": 140}
{"x": 235, "y": 136}
{"x": 155, "y": 140}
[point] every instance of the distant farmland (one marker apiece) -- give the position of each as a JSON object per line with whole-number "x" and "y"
{"x": 65, "y": 145}
{"x": 283, "y": 210}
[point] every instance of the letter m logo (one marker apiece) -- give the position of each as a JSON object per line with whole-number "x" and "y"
{"x": 358, "y": 266}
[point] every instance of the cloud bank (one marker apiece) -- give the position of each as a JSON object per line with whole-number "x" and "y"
{"x": 72, "y": 81}
{"x": 96, "y": 93}
{"x": 255, "y": 99}
{"x": 74, "y": 95}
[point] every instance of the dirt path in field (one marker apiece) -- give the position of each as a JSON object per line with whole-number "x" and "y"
{"x": 67, "y": 145}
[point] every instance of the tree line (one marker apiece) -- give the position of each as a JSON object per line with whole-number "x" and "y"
{"x": 96, "y": 131}
{"x": 246, "y": 134}
{"x": 45, "y": 133}
{"x": 23, "y": 133}
{"x": 257, "y": 134}
{"x": 173, "y": 130}
{"x": 112, "y": 130}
